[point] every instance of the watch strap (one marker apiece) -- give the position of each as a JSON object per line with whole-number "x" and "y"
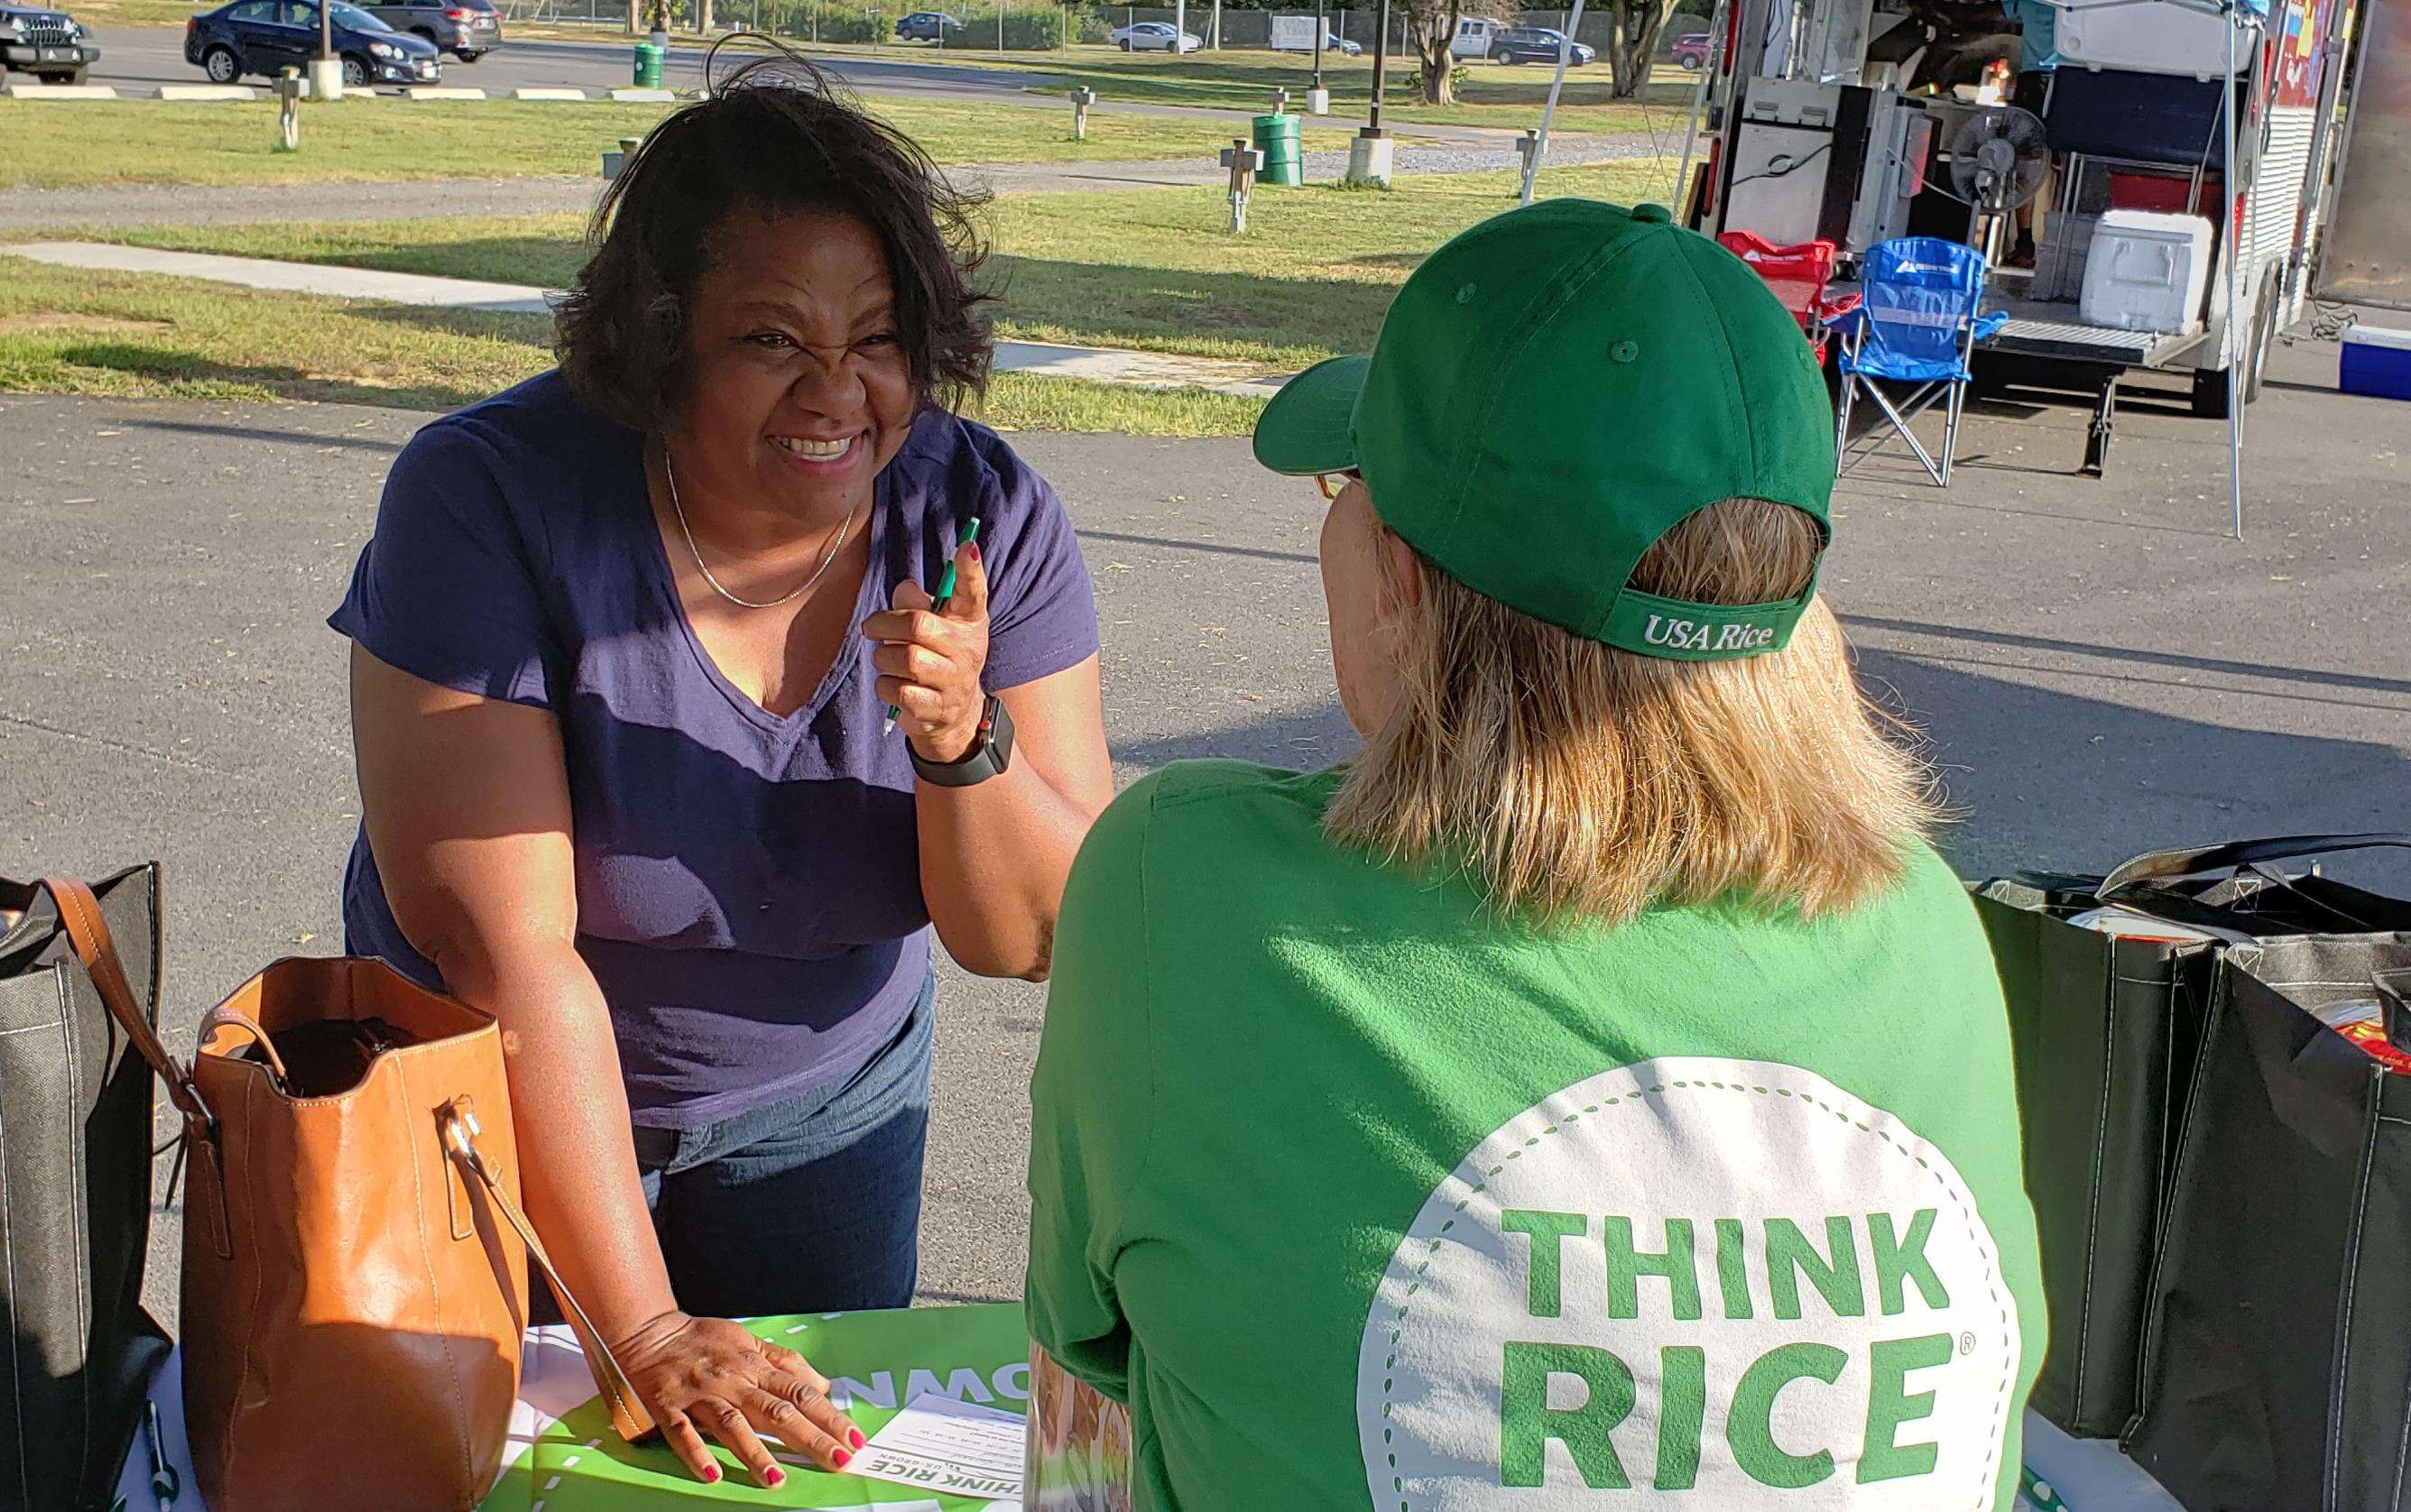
{"x": 991, "y": 752}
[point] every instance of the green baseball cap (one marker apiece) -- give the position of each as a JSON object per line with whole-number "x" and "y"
{"x": 1556, "y": 388}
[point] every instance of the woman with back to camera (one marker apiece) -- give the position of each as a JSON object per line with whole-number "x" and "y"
{"x": 1597, "y": 1092}
{"x": 626, "y": 642}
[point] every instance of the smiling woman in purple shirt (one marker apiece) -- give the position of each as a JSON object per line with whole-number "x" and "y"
{"x": 624, "y": 642}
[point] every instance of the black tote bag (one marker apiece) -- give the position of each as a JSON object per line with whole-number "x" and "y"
{"x": 2107, "y": 1033}
{"x": 75, "y": 1199}
{"x": 2278, "y": 1369}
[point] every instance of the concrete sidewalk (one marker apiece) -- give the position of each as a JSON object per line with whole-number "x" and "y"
{"x": 1145, "y": 370}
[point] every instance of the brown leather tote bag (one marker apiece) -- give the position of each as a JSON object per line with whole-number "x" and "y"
{"x": 355, "y": 1281}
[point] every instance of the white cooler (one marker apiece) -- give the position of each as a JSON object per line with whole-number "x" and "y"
{"x": 2145, "y": 270}
{"x": 2158, "y": 36}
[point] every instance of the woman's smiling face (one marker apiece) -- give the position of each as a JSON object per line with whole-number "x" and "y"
{"x": 800, "y": 387}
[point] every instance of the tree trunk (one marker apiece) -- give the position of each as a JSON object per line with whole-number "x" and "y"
{"x": 1633, "y": 26}
{"x": 1435, "y": 45}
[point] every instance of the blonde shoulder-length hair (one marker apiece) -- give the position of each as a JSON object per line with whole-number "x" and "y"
{"x": 1576, "y": 781}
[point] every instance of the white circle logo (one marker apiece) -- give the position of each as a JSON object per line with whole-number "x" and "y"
{"x": 1699, "y": 1274}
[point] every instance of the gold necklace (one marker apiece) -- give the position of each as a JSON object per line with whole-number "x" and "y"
{"x": 669, "y": 475}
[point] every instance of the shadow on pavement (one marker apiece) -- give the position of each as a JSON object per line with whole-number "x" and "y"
{"x": 313, "y": 440}
{"x": 2038, "y": 777}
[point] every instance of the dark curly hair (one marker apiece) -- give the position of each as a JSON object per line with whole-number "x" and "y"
{"x": 776, "y": 135}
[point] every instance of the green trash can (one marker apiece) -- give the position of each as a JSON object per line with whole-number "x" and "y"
{"x": 649, "y": 66}
{"x": 1277, "y": 138}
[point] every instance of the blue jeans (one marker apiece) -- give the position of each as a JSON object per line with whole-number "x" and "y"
{"x": 812, "y": 1205}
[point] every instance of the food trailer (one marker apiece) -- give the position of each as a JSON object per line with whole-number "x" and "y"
{"x": 1855, "y": 120}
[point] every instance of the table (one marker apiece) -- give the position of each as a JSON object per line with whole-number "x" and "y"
{"x": 564, "y": 1456}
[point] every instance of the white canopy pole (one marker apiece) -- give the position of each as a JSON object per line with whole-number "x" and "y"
{"x": 1700, "y": 103}
{"x": 1565, "y": 55}
{"x": 2235, "y": 272}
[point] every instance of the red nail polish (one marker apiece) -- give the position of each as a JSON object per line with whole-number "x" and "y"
{"x": 711, "y": 1475}
{"x": 854, "y": 1436}
{"x": 973, "y": 550}
{"x": 776, "y": 1479}
{"x": 841, "y": 1459}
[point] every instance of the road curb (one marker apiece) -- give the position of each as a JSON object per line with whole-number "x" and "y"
{"x": 441, "y": 92}
{"x": 644, "y": 96}
{"x": 187, "y": 92}
{"x": 62, "y": 92}
{"x": 548, "y": 94}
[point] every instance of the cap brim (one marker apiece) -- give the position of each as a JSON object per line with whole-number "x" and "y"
{"x": 1306, "y": 429}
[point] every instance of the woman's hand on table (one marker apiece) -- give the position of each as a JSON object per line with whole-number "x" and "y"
{"x": 929, "y": 661}
{"x": 709, "y": 1376}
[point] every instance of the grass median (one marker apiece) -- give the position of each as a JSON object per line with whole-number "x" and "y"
{"x": 63, "y": 331}
{"x": 1147, "y": 268}
{"x": 1150, "y": 270}
{"x": 1490, "y": 95}
{"x": 67, "y": 144}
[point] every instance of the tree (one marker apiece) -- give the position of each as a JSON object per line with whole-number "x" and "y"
{"x": 1431, "y": 31}
{"x": 1633, "y": 28}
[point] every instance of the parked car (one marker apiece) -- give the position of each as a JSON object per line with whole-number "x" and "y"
{"x": 1536, "y": 44}
{"x": 467, "y": 29}
{"x": 262, "y": 36}
{"x": 50, "y": 45}
{"x": 1154, "y": 36}
{"x": 1691, "y": 50}
{"x": 925, "y": 26}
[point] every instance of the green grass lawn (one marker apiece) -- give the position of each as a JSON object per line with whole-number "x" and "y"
{"x": 1151, "y": 269}
{"x": 62, "y": 331}
{"x": 1492, "y": 95}
{"x": 63, "y": 144}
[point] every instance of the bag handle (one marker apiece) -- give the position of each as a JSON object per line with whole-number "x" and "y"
{"x": 88, "y": 931}
{"x": 459, "y": 1123}
{"x": 2153, "y": 864}
{"x": 223, "y": 1017}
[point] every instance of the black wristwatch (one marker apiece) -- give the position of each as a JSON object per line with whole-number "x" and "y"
{"x": 991, "y": 752}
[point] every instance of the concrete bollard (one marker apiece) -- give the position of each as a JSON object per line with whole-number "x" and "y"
{"x": 1082, "y": 98}
{"x": 1369, "y": 157}
{"x": 1317, "y": 102}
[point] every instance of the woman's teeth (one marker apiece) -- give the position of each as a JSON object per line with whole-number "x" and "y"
{"x": 819, "y": 449}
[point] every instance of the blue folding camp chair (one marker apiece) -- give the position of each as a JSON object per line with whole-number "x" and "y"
{"x": 1917, "y": 320}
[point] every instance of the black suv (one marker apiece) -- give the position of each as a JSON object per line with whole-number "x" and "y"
{"x": 49, "y": 44}
{"x": 1535, "y": 44}
{"x": 262, "y": 36}
{"x": 467, "y": 29}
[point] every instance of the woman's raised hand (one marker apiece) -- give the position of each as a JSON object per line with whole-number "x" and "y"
{"x": 930, "y": 660}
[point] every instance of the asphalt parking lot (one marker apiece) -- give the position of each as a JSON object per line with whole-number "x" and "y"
{"x": 2098, "y": 669}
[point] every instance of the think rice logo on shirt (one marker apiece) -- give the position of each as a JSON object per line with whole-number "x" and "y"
{"x": 1692, "y": 1274}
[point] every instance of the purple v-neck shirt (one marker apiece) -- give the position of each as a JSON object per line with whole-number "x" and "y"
{"x": 749, "y": 890}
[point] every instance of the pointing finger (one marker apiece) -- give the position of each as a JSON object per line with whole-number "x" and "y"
{"x": 970, "y": 601}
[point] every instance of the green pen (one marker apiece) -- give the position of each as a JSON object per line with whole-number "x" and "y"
{"x": 945, "y": 593}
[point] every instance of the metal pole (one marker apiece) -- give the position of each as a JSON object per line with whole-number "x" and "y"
{"x": 1380, "y": 64}
{"x": 1180, "y": 26}
{"x": 326, "y": 30}
{"x": 1540, "y": 147}
{"x": 1698, "y": 107}
{"x": 1317, "y": 44}
{"x": 2234, "y": 277}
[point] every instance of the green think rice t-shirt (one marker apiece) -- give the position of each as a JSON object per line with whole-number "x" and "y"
{"x": 1364, "y": 1198}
